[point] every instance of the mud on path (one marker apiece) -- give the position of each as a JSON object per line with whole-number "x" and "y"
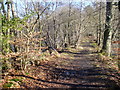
{"x": 76, "y": 71}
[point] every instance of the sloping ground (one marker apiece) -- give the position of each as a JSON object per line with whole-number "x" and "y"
{"x": 76, "y": 70}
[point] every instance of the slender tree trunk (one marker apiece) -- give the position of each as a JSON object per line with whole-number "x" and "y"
{"x": 69, "y": 31}
{"x": 0, "y": 43}
{"x": 65, "y": 37}
{"x": 13, "y": 47}
{"x": 8, "y": 19}
{"x": 13, "y": 10}
{"x": 0, "y": 33}
{"x": 8, "y": 10}
{"x": 108, "y": 31}
{"x": 1, "y": 22}
{"x": 3, "y": 8}
{"x": 119, "y": 36}
{"x": 99, "y": 35}
{"x": 80, "y": 27}
{"x": 54, "y": 27}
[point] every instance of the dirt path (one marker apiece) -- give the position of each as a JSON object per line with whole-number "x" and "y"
{"x": 79, "y": 71}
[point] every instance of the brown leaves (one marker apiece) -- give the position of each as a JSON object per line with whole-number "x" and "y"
{"x": 116, "y": 49}
{"x": 115, "y": 42}
{"x": 29, "y": 44}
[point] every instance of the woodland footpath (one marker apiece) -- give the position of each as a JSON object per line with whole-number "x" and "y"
{"x": 58, "y": 44}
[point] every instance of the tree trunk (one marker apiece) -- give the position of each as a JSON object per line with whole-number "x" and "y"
{"x": 99, "y": 35}
{"x": 108, "y": 31}
{"x": 69, "y": 30}
{"x": 13, "y": 10}
{"x": 77, "y": 44}
{"x": 8, "y": 19}
{"x": 0, "y": 32}
{"x": 119, "y": 35}
{"x": 8, "y": 10}
{"x": 13, "y": 47}
{"x": 55, "y": 36}
{"x": 3, "y": 8}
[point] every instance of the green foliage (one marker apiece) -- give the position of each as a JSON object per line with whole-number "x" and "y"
{"x": 28, "y": 16}
{"x": 103, "y": 53}
{"x": 27, "y": 73}
{"x": 15, "y": 79}
{"x": 7, "y": 85}
{"x": 94, "y": 44}
{"x": 4, "y": 66}
{"x": 13, "y": 24}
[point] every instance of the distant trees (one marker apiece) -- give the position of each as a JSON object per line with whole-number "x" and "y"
{"x": 63, "y": 26}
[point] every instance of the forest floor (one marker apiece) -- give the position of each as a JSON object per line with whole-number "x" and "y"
{"x": 76, "y": 68}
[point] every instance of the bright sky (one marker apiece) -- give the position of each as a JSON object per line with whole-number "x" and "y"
{"x": 68, "y": 0}
{"x": 87, "y": 2}
{"x": 22, "y": 4}
{"x": 59, "y": 0}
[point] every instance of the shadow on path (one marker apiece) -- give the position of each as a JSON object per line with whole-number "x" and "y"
{"x": 80, "y": 73}
{"x": 92, "y": 78}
